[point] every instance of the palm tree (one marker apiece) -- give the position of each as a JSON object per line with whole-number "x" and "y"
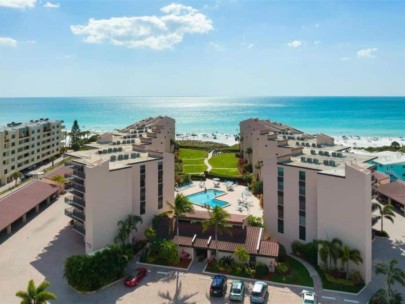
{"x": 181, "y": 206}
{"x": 52, "y": 159}
{"x": 218, "y": 220}
{"x": 350, "y": 255}
{"x": 126, "y": 227}
{"x": 249, "y": 152}
{"x": 392, "y": 274}
{"x": 330, "y": 251}
{"x": 15, "y": 176}
{"x": 258, "y": 166}
{"x": 36, "y": 295}
{"x": 61, "y": 180}
{"x": 385, "y": 212}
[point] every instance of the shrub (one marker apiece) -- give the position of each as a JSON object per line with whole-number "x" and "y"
{"x": 242, "y": 254}
{"x": 226, "y": 261}
{"x": 247, "y": 168}
{"x": 309, "y": 252}
{"x": 282, "y": 268}
{"x": 257, "y": 187}
{"x": 332, "y": 279}
{"x": 296, "y": 247}
{"x": 262, "y": 270}
{"x": 355, "y": 277}
{"x": 88, "y": 273}
{"x": 255, "y": 221}
{"x": 282, "y": 253}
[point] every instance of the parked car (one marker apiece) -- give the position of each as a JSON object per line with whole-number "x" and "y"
{"x": 309, "y": 297}
{"x": 237, "y": 291}
{"x": 134, "y": 278}
{"x": 259, "y": 292}
{"x": 218, "y": 286}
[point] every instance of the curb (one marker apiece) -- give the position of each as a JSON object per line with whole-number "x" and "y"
{"x": 164, "y": 266}
{"x": 95, "y": 291}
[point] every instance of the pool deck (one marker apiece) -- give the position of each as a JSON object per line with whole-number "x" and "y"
{"x": 231, "y": 197}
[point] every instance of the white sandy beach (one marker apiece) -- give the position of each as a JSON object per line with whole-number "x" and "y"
{"x": 367, "y": 141}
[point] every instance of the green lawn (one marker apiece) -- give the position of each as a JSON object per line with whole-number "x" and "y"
{"x": 297, "y": 275}
{"x": 225, "y": 164}
{"x": 193, "y": 160}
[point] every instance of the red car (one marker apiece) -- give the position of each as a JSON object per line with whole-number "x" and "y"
{"x": 133, "y": 279}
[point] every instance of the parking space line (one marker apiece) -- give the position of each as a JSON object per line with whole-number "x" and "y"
{"x": 204, "y": 278}
{"x": 328, "y": 298}
{"x": 351, "y": 301}
{"x": 162, "y": 272}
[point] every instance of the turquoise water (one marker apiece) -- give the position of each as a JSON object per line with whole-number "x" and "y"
{"x": 208, "y": 197}
{"x": 371, "y": 116}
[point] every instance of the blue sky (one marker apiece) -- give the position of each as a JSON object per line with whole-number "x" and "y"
{"x": 201, "y": 48}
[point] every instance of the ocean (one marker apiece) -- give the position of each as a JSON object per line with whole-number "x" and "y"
{"x": 363, "y": 116}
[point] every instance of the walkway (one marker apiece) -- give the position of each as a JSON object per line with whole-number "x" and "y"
{"x": 209, "y": 168}
{"x": 313, "y": 273}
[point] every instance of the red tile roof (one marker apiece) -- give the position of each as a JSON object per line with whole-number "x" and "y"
{"x": 380, "y": 176}
{"x": 394, "y": 190}
{"x": 18, "y": 203}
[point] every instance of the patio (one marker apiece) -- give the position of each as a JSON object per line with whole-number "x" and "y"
{"x": 239, "y": 198}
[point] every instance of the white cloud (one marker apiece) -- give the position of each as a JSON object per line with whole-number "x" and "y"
{"x": 295, "y": 44}
{"x": 51, "y": 5}
{"x": 248, "y": 45}
{"x": 155, "y": 32}
{"x": 6, "y": 41}
{"x": 345, "y": 58}
{"x": 367, "y": 53}
{"x": 19, "y": 4}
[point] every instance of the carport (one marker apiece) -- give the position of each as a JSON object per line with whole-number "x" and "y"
{"x": 393, "y": 193}
{"x": 18, "y": 204}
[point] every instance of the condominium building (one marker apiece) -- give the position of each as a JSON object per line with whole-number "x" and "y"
{"x": 313, "y": 189}
{"x": 119, "y": 177}
{"x": 23, "y": 145}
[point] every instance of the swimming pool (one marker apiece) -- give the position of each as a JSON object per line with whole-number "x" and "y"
{"x": 207, "y": 197}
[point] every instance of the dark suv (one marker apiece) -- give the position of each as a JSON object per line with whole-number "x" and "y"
{"x": 218, "y": 286}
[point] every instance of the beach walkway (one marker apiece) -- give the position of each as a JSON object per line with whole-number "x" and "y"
{"x": 209, "y": 167}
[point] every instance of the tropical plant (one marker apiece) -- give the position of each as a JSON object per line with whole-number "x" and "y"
{"x": 350, "y": 255}
{"x": 125, "y": 228}
{"x": 392, "y": 275}
{"x": 258, "y": 166}
{"x": 60, "y": 179}
{"x": 261, "y": 270}
{"x": 386, "y": 212}
{"x": 255, "y": 221}
{"x": 168, "y": 252}
{"x": 36, "y": 295}
{"x": 63, "y": 150}
{"x": 218, "y": 220}
{"x": 395, "y": 145}
{"x": 52, "y": 159}
{"x": 150, "y": 234}
{"x": 330, "y": 251}
{"x": 249, "y": 151}
{"x": 15, "y": 176}
{"x": 75, "y": 136}
{"x": 381, "y": 297}
{"x": 180, "y": 206}
{"x": 242, "y": 254}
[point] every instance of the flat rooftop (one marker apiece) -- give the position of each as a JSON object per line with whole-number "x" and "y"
{"x": 123, "y": 159}
{"x": 31, "y": 123}
{"x": 389, "y": 158}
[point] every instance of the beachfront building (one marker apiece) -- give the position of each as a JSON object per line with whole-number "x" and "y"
{"x": 153, "y": 134}
{"x": 113, "y": 180}
{"x": 392, "y": 164}
{"x": 23, "y": 145}
{"x": 313, "y": 189}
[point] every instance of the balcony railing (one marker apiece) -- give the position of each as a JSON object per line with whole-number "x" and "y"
{"x": 75, "y": 214}
{"x": 75, "y": 192}
{"x": 79, "y": 174}
{"x": 78, "y": 188}
{"x": 75, "y": 202}
{"x": 79, "y": 228}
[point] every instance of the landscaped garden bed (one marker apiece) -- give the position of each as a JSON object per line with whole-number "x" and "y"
{"x": 225, "y": 164}
{"x": 290, "y": 271}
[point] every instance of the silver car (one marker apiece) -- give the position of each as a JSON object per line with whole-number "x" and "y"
{"x": 259, "y": 293}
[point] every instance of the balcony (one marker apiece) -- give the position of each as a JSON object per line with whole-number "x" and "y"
{"x": 75, "y": 214}
{"x": 79, "y": 188}
{"x": 75, "y": 202}
{"x": 79, "y": 228}
{"x": 79, "y": 173}
{"x": 76, "y": 193}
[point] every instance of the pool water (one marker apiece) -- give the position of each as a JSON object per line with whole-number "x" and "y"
{"x": 207, "y": 197}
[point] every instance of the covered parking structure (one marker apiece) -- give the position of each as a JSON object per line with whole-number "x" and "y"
{"x": 393, "y": 193}
{"x": 17, "y": 205}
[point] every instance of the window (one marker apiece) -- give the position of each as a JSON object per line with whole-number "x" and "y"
{"x": 302, "y": 175}
{"x": 302, "y": 202}
{"x": 280, "y": 209}
{"x": 302, "y": 218}
{"x": 280, "y": 198}
{"x": 160, "y": 185}
{"x": 143, "y": 190}
{"x": 280, "y": 226}
{"x": 302, "y": 233}
{"x": 280, "y": 171}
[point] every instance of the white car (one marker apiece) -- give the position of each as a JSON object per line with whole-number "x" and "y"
{"x": 309, "y": 297}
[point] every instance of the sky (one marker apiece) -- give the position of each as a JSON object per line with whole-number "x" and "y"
{"x": 202, "y": 48}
